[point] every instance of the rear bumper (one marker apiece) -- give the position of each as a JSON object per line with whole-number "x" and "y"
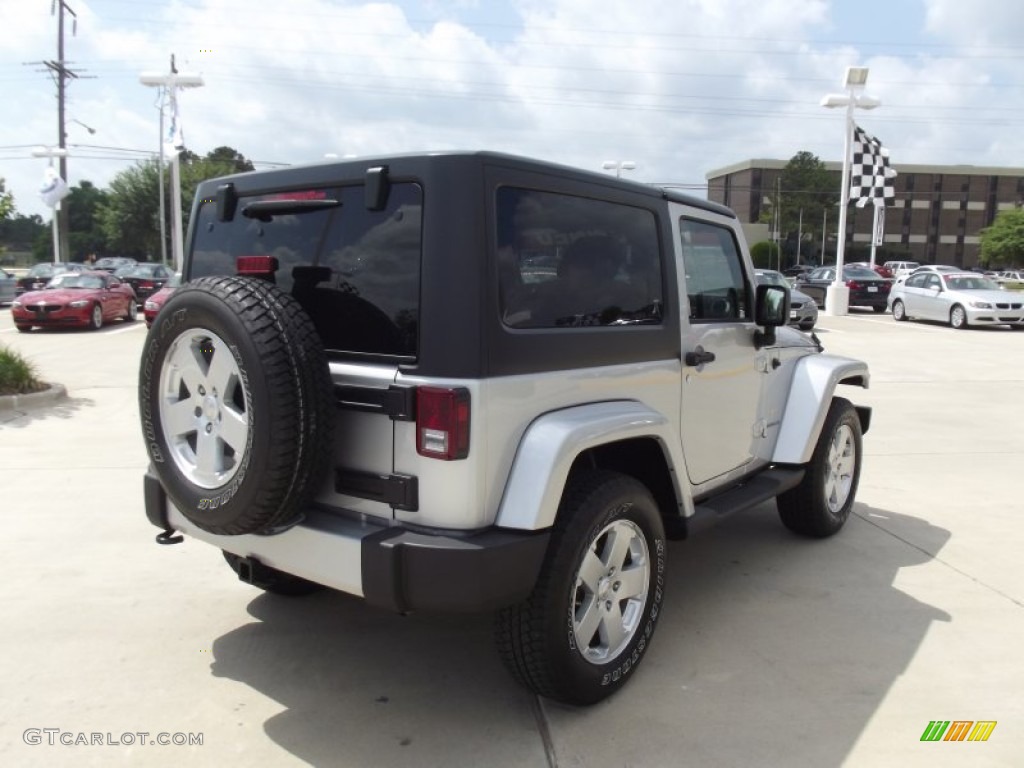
{"x": 390, "y": 567}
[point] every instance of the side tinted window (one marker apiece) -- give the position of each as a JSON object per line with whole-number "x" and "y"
{"x": 715, "y": 282}
{"x": 355, "y": 271}
{"x": 566, "y": 261}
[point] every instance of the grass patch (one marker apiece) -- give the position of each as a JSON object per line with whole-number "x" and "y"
{"x": 17, "y": 375}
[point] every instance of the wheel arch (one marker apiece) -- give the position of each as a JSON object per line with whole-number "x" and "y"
{"x": 624, "y": 436}
{"x": 810, "y": 395}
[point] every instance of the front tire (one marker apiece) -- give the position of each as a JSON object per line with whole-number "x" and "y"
{"x": 590, "y": 618}
{"x": 958, "y": 317}
{"x": 23, "y": 328}
{"x": 820, "y": 505}
{"x": 899, "y": 312}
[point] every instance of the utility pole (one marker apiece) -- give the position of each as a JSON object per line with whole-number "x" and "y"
{"x": 61, "y": 73}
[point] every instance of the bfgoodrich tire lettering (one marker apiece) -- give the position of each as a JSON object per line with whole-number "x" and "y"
{"x": 820, "y": 505}
{"x": 590, "y": 619}
{"x": 235, "y": 398}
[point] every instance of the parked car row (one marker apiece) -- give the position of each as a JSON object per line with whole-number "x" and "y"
{"x": 867, "y": 287}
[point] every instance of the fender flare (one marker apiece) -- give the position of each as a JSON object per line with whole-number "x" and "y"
{"x": 810, "y": 395}
{"x": 551, "y": 444}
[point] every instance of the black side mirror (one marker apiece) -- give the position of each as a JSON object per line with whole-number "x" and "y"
{"x": 771, "y": 309}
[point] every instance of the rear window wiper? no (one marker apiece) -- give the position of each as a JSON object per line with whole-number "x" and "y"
{"x": 266, "y": 210}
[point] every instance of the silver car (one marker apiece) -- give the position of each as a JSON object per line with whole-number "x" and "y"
{"x": 8, "y": 284}
{"x": 803, "y": 310}
{"x": 961, "y": 299}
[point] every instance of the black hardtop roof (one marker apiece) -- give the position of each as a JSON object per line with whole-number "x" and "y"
{"x": 416, "y": 163}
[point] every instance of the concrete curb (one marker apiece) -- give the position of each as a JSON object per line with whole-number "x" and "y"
{"x": 35, "y": 399}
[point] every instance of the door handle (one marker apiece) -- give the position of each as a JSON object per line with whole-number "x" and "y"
{"x": 698, "y": 357}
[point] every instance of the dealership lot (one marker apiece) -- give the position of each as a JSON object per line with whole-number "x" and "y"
{"x": 776, "y": 650}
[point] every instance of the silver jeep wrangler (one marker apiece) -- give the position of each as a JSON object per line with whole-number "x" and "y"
{"x": 472, "y": 381}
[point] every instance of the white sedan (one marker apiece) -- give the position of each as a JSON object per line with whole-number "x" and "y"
{"x": 961, "y": 299}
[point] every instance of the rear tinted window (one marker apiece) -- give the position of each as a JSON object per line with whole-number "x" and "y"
{"x": 355, "y": 271}
{"x": 567, "y": 261}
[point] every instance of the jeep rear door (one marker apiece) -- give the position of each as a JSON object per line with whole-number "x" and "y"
{"x": 721, "y": 384}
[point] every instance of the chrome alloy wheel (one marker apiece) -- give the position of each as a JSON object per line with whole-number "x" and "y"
{"x": 204, "y": 408}
{"x": 842, "y": 463}
{"x": 610, "y": 591}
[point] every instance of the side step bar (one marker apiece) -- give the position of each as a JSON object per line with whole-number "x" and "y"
{"x": 760, "y": 488}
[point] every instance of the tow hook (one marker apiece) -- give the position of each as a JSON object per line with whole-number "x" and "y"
{"x": 169, "y": 537}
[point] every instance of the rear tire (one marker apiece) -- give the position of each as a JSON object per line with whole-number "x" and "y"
{"x": 96, "y": 317}
{"x": 131, "y": 312}
{"x": 879, "y": 310}
{"x": 589, "y": 620}
{"x": 820, "y": 505}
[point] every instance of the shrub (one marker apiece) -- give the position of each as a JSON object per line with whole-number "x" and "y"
{"x": 17, "y": 375}
{"x": 765, "y": 255}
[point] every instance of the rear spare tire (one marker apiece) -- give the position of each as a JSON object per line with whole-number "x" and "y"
{"x": 235, "y": 399}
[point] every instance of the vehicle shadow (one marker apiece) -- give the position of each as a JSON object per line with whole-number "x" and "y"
{"x": 770, "y": 645}
{"x": 65, "y": 408}
{"x": 380, "y": 688}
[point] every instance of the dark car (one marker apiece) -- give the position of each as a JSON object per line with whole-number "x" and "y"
{"x": 867, "y": 287}
{"x": 146, "y": 279}
{"x": 154, "y": 302}
{"x": 880, "y": 269}
{"x": 84, "y": 299}
{"x": 112, "y": 263}
{"x": 798, "y": 270}
{"x": 40, "y": 275}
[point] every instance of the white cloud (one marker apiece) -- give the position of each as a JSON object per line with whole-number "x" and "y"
{"x": 679, "y": 87}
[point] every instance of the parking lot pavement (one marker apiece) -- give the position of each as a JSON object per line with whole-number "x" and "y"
{"x": 775, "y": 651}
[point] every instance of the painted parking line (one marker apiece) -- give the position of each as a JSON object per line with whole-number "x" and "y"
{"x": 127, "y": 328}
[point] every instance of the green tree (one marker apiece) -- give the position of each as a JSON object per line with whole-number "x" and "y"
{"x": 232, "y": 157}
{"x": 130, "y": 215}
{"x": 1002, "y": 244}
{"x": 85, "y": 233}
{"x": 805, "y": 185}
{"x": 6, "y": 201}
{"x": 765, "y": 255}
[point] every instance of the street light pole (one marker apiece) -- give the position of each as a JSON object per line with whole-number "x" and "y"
{"x": 837, "y": 295}
{"x": 170, "y": 83}
{"x": 56, "y": 193}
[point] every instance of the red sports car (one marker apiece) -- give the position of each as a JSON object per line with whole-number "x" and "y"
{"x": 85, "y": 299}
{"x": 154, "y": 302}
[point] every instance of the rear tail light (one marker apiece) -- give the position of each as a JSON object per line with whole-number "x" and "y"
{"x": 442, "y": 422}
{"x": 145, "y": 286}
{"x": 852, "y": 285}
{"x": 256, "y": 266}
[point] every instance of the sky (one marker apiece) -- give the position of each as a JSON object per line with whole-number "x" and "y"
{"x": 679, "y": 87}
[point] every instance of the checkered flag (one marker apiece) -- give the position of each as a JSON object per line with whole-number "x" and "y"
{"x": 871, "y": 178}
